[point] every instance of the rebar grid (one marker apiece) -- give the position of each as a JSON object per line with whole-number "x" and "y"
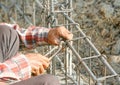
{"x": 75, "y": 62}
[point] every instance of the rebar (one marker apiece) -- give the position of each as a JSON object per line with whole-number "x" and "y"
{"x": 76, "y": 56}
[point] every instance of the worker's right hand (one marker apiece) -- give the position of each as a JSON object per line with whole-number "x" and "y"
{"x": 55, "y": 34}
{"x": 38, "y": 63}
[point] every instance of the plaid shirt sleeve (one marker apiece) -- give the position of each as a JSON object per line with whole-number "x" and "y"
{"x": 32, "y": 36}
{"x": 17, "y": 68}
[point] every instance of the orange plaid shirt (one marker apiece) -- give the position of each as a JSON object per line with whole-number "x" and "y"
{"x": 17, "y": 68}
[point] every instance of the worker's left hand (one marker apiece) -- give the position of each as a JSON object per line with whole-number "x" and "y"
{"x": 38, "y": 62}
{"x": 55, "y": 34}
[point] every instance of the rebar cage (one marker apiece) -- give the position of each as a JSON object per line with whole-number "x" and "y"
{"x": 75, "y": 62}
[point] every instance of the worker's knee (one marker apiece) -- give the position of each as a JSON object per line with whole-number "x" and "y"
{"x": 45, "y": 79}
{"x": 48, "y": 79}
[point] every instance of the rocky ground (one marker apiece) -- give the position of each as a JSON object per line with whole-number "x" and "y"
{"x": 100, "y": 19}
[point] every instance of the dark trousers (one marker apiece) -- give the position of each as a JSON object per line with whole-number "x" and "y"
{"x": 45, "y": 79}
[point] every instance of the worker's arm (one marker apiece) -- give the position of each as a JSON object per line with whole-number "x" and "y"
{"x": 35, "y": 36}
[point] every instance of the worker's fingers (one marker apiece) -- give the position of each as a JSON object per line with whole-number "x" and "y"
{"x": 55, "y": 34}
{"x": 35, "y": 70}
{"x": 39, "y": 67}
{"x": 38, "y": 63}
{"x": 35, "y": 67}
{"x": 45, "y": 64}
{"x": 37, "y": 56}
{"x": 44, "y": 60}
{"x": 64, "y": 33}
{"x": 53, "y": 37}
{"x": 42, "y": 70}
{"x": 41, "y": 57}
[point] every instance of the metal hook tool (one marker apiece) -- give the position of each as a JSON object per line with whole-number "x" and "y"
{"x": 59, "y": 49}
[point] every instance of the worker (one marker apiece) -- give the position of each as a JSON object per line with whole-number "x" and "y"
{"x": 15, "y": 67}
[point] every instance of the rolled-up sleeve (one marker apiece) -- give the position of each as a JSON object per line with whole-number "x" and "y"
{"x": 34, "y": 36}
{"x": 17, "y": 68}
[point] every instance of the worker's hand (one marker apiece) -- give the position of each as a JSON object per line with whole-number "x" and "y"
{"x": 38, "y": 63}
{"x": 55, "y": 34}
